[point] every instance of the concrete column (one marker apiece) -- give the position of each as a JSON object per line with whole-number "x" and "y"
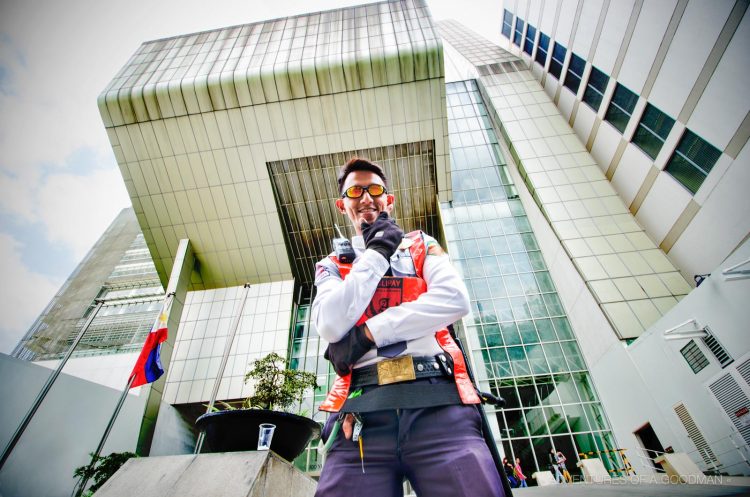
{"x": 179, "y": 281}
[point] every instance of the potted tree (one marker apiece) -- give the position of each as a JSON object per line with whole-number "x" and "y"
{"x": 276, "y": 390}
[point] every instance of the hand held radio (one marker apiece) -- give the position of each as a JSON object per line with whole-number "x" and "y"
{"x": 342, "y": 247}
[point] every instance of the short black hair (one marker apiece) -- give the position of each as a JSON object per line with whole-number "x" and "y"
{"x": 360, "y": 164}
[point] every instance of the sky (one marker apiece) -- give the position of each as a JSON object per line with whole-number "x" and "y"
{"x": 60, "y": 186}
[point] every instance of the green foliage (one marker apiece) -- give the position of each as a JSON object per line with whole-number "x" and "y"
{"x": 101, "y": 468}
{"x": 277, "y": 387}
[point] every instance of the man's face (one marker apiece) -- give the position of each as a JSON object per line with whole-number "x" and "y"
{"x": 364, "y": 208}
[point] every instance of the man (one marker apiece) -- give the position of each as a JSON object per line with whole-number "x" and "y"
{"x": 405, "y": 404}
{"x": 554, "y": 465}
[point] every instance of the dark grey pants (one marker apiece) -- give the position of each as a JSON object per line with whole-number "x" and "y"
{"x": 440, "y": 450}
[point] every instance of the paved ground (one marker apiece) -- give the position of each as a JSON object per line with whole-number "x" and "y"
{"x": 636, "y": 489}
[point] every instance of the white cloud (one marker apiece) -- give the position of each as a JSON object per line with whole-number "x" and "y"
{"x": 23, "y": 299}
{"x": 16, "y": 195}
{"x": 77, "y": 209}
{"x": 74, "y": 209}
{"x": 48, "y": 110}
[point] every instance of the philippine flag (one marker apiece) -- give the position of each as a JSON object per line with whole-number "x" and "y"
{"x": 148, "y": 368}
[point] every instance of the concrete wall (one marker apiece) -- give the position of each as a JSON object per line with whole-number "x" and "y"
{"x": 112, "y": 371}
{"x": 173, "y": 434}
{"x": 653, "y": 375}
{"x": 66, "y": 428}
{"x": 250, "y": 474}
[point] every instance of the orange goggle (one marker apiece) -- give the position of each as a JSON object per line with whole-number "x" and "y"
{"x": 357, "y": 191}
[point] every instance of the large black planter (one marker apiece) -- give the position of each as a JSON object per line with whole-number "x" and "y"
{"x": 233, "y": 431}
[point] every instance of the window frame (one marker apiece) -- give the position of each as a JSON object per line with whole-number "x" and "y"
{"x": 654, "y": 134}
{"x": 508, "y": 23}
{"x": 694, "y": 357}
{"x": 543, "y": 40}
{"x": 528, "y": 44}
{"x": 518, "y": 37}
{"x": 555, "y": 61}
{"x": 612, "y": 102}
{"x": 594, "y": 73}
{"x": 703, "y": 144}
{"x": 570, "y": 72}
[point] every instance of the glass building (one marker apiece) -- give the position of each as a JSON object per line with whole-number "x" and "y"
{"x": 118, "y": 270}
{"x": 523, "y": 347}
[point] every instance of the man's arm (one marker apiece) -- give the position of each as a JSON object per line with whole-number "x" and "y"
{"x": 445, "y": 301}
{"x": 339, "y": 303}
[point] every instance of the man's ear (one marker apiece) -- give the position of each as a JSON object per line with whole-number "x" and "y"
{"x": 340, "y": 205}
{"x": 389, "y": 204}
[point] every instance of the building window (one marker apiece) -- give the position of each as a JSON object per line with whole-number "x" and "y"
{"x": 652, "y": 131}
{"x": 692, "y": 161}
{"x": 507, "y": 23}
{"x": 694, "y": 357}
{"x": 541, "y": 50}
{"x": 717, "y": 349}
{"x": 528, "y": 46}
{"x": 575, "y": 73}
{"x": 595, "y": 88}
{"x": 518, "y": 37}
{"x": 621, "y": 107}
{"x": 558, "y": 58}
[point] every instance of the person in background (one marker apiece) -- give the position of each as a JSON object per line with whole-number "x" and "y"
{"x": 554, "y": 466}
{"x": 561, "y": 465}
{"x": 518, "y": 473}
{"x": 509, "y": 473}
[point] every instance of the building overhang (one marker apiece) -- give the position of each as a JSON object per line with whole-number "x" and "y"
{"x": 202, "y": 124}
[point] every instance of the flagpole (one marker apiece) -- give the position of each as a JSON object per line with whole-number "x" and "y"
{"x": 85, "y": 478}
{"x": 223, "y": 365}
{"x": 45, "y": 389}
{"x": 81, "y": 486}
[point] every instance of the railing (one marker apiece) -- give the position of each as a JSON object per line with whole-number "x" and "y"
{"x": 708, "y": 460}
{"x": 646, "y": 454}
{"x": 716, "y": 467}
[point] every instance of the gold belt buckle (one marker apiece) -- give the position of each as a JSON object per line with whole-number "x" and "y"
{"x": 396, "y": 370}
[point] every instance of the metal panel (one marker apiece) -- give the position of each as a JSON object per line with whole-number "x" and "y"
{"x": 695, "y": 435}
{"x": 306, "y": 189}
{"x": 733, "y": 400}
{"x": 744, "y": 370}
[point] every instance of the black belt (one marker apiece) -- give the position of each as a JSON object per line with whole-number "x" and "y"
{"x": 416, "y": 394}
{"x": 422, "y": 367}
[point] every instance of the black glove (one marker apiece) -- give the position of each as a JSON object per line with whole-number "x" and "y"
{"x": 383, "y": 235}
{"x": 347, "y": 351}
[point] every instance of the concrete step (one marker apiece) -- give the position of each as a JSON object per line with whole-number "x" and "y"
{"x": 636, "y": 488}
{"x": 230, "y": 474}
